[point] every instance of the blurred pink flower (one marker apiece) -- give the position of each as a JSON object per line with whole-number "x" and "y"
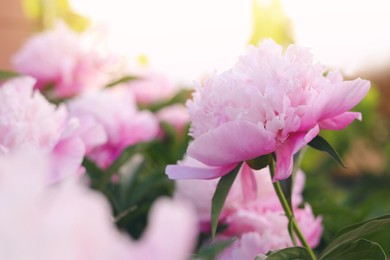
{"x": 268, "y": 102}
{"x": 69, "y": 221}
{"x": 253, "y": 214}
{"x": 29, "y": 121}
{"x": 171, "y": 233}
{"x": 68, "y": 60}
{"x": 151, "y": 87}
{"x": 110, "y": 122}
{"x": 175, "y": 115}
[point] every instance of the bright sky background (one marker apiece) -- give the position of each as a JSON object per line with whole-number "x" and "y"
{"x": 187, "y": 39}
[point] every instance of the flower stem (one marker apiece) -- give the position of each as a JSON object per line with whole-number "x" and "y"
{"x": 289, "y": 214}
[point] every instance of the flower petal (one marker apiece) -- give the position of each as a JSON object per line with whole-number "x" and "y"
{"x": 339, "y": 98}
{"x": 231, "y": 143}
{"x": 285, "y": 152}
{"x": 193, "y": 169}
{"x": 341, "y": 121}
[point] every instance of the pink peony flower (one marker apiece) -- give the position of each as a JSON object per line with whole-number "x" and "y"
{"x": 69, "y": 221}
{"x": 68, "y": 60}
{"x": 268, "y": 102}
{"x": 110, "y": 122}
{"x": 252, "y": 214}
{"x": 151, "y": 88}
{"x": 175, "y": 115}
{"x": 171, "y": 233}
{"x": 28, "y": 121}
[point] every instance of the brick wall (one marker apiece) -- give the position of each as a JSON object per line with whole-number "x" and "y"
{"x": 14, "y": 30}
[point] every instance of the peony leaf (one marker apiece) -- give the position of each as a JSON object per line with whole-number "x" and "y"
{"x": 376, "y": 230}
{"x": 260, "y": 162}
{"x": 291, "y": 253}
{"x": 123, "y": 79}
{"x": 359, "y": 249}
{"x": 212, "y": 250}
{"x": 6, "y": 75}
{"x": 219, "y": 197}
{"x": 322, "y": 145}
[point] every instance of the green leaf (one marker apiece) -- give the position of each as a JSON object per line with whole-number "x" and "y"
{"x": 359, "y": 249}
{"x": 126, "y": 155}
{"x": 291, "y": 253}
{"x": 260, "y": 162}
{"x": 212, "y": 250}
{"x": 93, "y": 170}
{"x": 219, "y": 197}
{"x": 376, "y": 230}
{"x": 322, "y": 145}
{"x": 124, "y": 79}
{"x": 6, "y": 75}
{"x": 122, "y": 159}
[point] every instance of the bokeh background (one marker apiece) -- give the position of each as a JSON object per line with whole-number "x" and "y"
{"x": 188, "y": 40}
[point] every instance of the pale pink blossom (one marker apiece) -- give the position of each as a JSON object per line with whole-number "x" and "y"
{"x": 69, "y": 221}
{"x": 29, "y": 121}
{"x": 110, "y": 122}
{"x": 151, "y": 87}
{"x": 252, "y": 213}
{"x": 171, "y": 233}
{"x": 175, "y": 115}
{"x": 69, "y": 61}
{"x": 268, "y": 102}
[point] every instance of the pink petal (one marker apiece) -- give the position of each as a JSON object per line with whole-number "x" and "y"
{"x": 67, "y": 157}
{"x": 285, "y": 152}
{"x": 338, "y": 99}
{"x": 199, "y": 171}
{"x": 248, "y": 183}
{"x": 341, "y": 121}
{"x": 231, "y": 143}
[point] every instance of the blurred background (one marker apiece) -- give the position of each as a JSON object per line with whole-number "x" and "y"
{"x": 188, "y": 40}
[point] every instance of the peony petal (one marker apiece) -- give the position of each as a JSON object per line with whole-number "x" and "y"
{"x": 338, "y": 99}
{"x": 197, "y": 172}
{"x": 341, "y": 121}
{"x": 248, "y": 183}
{"x": 232, "y": 142}
{"x": 285, "y": 152}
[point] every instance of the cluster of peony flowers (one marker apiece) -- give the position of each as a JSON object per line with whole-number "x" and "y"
{"x": 253, "y": 215}
{"x": 110, "y": 122}
{"x": 269, "y": 102}
{"x": 29, "y": 122}
{"x": 70, "y": 221}
{"x": 65, "y": 60}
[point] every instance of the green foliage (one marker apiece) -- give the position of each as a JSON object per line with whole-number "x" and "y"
{"x": 211, "y": 251}
{"x": 291, "y": 253}
{"x": 219, "y": 197}
{"x": 6, "y": 75}
{"x": 376, "y": 230}
{"x": 359, "y": 249}
{"x": 260, "y": 162}
{"x": 320, "y": 144}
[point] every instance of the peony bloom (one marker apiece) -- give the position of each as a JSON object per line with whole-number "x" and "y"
{"x": 175, "y": 115}
{"x": 69, "y": 221}
{"x": 268, "y": 102}
{"x": 110, "y": 122}
{"x": 65, "y": 59}
{"x": 171, "y": 233}
{"x": 29, "y": 121}
{"x": 253, "y": 215}
{"x": 151, "y": 88}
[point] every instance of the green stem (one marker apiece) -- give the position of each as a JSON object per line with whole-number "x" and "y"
{"x": 289, "y": 213}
